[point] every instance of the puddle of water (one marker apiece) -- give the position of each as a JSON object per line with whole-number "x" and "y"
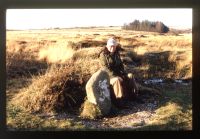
{"x": 157, "y": 81}
{"x": 153, "y": 81}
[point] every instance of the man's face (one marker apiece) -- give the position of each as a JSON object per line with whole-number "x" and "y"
{"x": 111, "y": 48}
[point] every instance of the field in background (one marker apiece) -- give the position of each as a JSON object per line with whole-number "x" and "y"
{"x": 38, "y": 61}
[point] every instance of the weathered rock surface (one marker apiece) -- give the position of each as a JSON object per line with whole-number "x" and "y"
{"x": 98, "y": 91}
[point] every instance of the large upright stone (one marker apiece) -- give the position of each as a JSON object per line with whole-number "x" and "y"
{"x": 98, "y": 91}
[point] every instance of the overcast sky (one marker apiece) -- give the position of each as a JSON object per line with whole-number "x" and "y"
{"x": 63, "y": 18}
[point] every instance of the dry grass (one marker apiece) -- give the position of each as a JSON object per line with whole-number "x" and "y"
{"x": 61, "y": 86}
{"x": 56, "y": 90}
{"x": 90, "y": 111}
{"x": 172, "y": 116}
{"x": 167, "y": 64}
{"x": 60, "y": 62}
{"x": 56, "y": 54}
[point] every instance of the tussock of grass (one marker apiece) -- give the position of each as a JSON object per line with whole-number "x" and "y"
{"x": 58, "y": 89}
{"x": 87, "y": 60}
{"x": 90, "y": 110}
{"x": 61, "y": 87}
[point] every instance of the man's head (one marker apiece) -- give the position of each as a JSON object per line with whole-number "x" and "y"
{"x": 111, "y": 45}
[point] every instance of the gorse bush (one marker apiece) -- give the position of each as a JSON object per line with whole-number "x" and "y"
{"x": 146, "y": 26}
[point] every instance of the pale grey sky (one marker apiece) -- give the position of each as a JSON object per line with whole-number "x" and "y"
{"x": 63, "y": 18}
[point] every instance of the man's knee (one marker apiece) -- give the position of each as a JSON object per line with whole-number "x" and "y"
{"x": 116, "y": 80}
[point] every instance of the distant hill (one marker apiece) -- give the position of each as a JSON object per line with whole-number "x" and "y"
{"x": 180, "y": 30}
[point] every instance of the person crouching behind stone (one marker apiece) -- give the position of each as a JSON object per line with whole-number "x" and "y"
{"x": 123, "y": 84}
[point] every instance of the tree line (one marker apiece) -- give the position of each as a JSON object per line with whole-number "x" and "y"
{"x": 146, "y": 26}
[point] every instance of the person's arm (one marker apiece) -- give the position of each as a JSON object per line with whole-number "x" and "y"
{"x": 121, "y": 67}
{"x": 103, "y": 61}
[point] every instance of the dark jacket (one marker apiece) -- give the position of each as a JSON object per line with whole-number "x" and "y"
{"x": 112, "y": 62}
